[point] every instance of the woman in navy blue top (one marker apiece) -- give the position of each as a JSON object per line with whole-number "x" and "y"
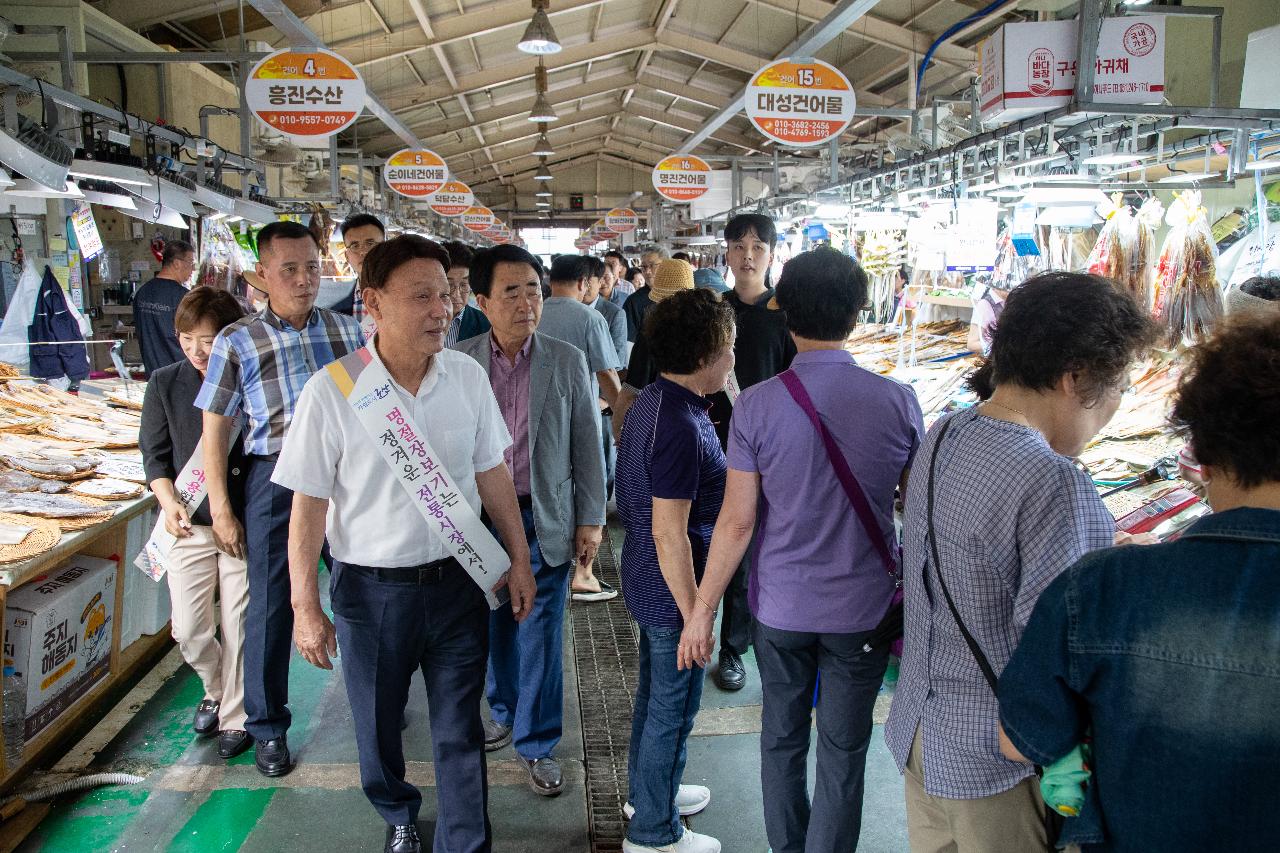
{"x": 670, "y": 484}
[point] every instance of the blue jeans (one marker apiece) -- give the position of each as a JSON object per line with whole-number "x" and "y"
{"x": 667, "y": 700}
{"x": 525, "y": 684}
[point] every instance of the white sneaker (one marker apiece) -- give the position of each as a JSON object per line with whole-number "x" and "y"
{"x": 690, "y": 842}
{"x": 690, "y": 800}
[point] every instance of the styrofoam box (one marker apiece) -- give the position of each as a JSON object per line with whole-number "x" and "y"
{"x": 1030, "y": 68}
{"x": 58, "y": 635}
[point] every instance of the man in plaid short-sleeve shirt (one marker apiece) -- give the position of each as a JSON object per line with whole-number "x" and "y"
{"x": 257, "y": 370}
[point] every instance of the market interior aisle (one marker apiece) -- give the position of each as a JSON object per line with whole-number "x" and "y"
{"x": 193, "y": 801}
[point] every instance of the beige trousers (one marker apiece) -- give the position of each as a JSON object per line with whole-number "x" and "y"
{"x": 198, "y": 571}
{"x": 1008, "y": 822}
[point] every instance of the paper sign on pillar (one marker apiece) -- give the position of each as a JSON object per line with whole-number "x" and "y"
{"x": 1031, "y": 68}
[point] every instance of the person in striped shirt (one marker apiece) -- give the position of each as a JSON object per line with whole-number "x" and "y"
{"x": 257, "y": 369}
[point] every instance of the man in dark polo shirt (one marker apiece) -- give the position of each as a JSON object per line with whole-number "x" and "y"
{"x": 157, "y": 300}
{"x": 764, "y": 348}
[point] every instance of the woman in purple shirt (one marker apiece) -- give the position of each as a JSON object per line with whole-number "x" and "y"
{"x": 670, "y": 484}
{"x": 820, "y": 585}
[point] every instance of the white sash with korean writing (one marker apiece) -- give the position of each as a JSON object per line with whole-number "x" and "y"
{"x": 192, "y": 491}
{"x": 403, "y": 445}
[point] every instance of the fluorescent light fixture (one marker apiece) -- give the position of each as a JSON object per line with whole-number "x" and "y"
{"x": 1065, "y": 197}
{"x": 544, "y": 193}
{"x": 1042, "y": 160}
{"x": 167, "y": 194}
{"x": 539, "y": 37}
{"x": 214, "y": 200}
{"x": 255, "y": 212}
{"x": 832, "y": 211}
{"x": 1070, "y": 216}
{"x": 1007, "y": 192}
{"x": 1067, "y": 178}
{"x": 1117, "y": 158}
{"x": 542, "y": 148}
{"x": 1188, "y": 177}
{"x": 101, "y": 192}
{"x": 116, "y": 173}
{"x": 542, "y": 204}
{"x": 36, "y": 153}
{"x": 158, "y": 214}
{"x": 1262, "y": 165}
{"x": 27, "y": 188}
{"x": 542, "y": 110}
{"x": 543, "y": 174}
{"x": 703, "y": 240}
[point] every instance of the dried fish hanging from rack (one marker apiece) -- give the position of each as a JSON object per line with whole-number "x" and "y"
{"x": 883, "y": 252}
{"x": 1012, "y": 269}
{"x": 1123, "y": 252}
{"x": 1188, "y": 299}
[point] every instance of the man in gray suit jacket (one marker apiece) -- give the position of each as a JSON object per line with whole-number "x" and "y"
{"x": 545, "y": 393}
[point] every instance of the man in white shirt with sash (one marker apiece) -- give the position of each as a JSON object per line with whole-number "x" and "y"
{"x": 392, "y": 453}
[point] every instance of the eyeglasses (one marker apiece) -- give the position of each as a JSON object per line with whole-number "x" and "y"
{"x": 362, "y": 245}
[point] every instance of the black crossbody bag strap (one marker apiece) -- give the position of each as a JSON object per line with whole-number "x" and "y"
{"x": 983, "y": 663}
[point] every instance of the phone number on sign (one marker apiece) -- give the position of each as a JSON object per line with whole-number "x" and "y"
{"x": 310, "y": 119}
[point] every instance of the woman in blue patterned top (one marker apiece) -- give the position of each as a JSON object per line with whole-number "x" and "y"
{"x": 670, "y": 484}
{"x": 1011, "y": 511}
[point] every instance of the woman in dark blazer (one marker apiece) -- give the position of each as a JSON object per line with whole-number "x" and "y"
{"x": 197, "y": 571}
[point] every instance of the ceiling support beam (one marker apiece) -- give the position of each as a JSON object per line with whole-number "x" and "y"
{"x": 835, "y": 22}
{"x": 420, "y": 12}
{"x": 300, "y": 35}
{"x": 897, "y": 36}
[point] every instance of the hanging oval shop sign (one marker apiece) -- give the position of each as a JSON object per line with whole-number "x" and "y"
{"x": 682, "y": 178}
{"x": 477, "y": 219}
{"x": 310, "y": 94}
{"x": 800, "y": 102}
{"x": 622, "y": 220}
{"x": 415, "y": 172}
{"x": 453, "y": 199}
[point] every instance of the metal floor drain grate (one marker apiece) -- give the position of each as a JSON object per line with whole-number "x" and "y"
{"x": 607, "y": 652}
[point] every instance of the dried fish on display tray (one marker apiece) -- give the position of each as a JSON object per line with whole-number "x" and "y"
{"x": 106, "y": 488}
{"x": 48, "y": 506}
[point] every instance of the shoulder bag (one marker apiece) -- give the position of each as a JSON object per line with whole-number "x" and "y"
{"x": 889, "y": 631}
{"x": 1053, "y": 821}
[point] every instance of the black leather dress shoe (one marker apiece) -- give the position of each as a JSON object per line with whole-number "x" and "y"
{"x": 730, "y": 674}
{"x": 232, "y": 742}
{"x": 272, "y": 756}
{"x": 206, "y": 719}
{"x": 402, "y": 839}
{"x": 545, "y": 778}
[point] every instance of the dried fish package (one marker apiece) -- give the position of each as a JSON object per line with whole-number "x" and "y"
{"x": 1188, "y": 299}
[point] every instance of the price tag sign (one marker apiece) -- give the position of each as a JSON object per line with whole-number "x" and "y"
{"x": 415, "y": 172}
{"x": 86, "y": 230}
{"x": 800, "y": 103}
{"x": 453, "y": 199}
{"x": 682, "y": 178}
{"x": 477, "y": 219}
{"x": 621, "y": 220}
{"x": 309, "y": 94}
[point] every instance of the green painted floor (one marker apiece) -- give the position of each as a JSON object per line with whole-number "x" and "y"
{"x": 193, "y": 802}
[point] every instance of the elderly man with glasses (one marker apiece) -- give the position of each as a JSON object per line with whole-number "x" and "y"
{"x": 468, "y": 320}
